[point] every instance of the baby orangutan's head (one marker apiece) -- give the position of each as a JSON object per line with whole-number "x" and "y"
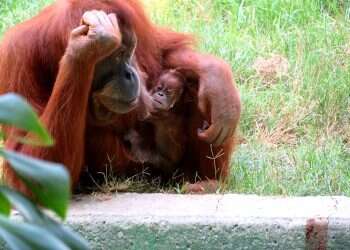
{"x": 168, "y": 90}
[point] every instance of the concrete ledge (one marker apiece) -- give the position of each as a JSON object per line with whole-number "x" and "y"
{"x": 166, "y": 221}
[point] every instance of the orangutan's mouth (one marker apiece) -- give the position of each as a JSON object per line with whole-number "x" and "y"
{"x": 121, "y": 107}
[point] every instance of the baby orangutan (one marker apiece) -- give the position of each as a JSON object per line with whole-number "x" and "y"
{"x": 159, "y": 140}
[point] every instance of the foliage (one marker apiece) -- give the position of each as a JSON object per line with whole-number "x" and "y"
{"x": 48, "y": 182}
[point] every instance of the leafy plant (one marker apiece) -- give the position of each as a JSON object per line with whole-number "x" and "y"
{"x": 48, "y": 182}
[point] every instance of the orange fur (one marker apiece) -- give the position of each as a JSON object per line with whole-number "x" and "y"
{"x": 32, "y": 63}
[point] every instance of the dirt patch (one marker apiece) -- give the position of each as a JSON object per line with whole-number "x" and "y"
{"x": 271, "y": 69}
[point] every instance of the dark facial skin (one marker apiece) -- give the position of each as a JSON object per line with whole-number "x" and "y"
{"x": 168, "y": 91}
{"x": 116, "y": 84}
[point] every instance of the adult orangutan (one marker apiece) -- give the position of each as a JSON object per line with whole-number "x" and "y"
{"x": 75, "y": 48}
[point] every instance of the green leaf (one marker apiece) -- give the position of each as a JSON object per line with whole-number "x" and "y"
{"x": 49, "y": 182}
{"x": 32, "y": 236}
{"x": 16, "y": 111}
{"x": 5, "y": 206}
{"x": 33, "y": 215}
{"x": 2, "y": 136}
{"x": 28, "y": 210}
{"x": 12, "y": 241}
{"x": 68, "y": 236}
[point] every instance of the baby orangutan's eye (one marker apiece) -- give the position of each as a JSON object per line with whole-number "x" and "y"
{"x": 170, "y": 92}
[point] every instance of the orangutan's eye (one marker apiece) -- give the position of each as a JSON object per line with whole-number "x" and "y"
{"x": 168, "y": 92}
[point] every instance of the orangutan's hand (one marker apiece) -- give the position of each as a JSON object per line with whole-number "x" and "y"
{"x": 96, "y": 38}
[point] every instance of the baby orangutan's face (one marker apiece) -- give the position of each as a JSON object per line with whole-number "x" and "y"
{"x": 168, "y": 91}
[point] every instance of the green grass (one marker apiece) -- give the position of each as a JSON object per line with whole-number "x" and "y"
{"x": 296, "y": 131}
{"x": 14, "y": 11}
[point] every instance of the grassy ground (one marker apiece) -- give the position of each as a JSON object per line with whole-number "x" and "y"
{"x": 295, "y": 128}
